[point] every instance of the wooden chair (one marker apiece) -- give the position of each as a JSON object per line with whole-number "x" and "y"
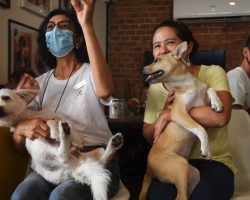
{"x": 205, "y": 57}
{"x": 13, "y": 166}
{"x": 239, "y": 140}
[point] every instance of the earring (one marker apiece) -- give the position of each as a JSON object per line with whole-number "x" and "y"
{"x": 78, "y": 42}
{"x": 244, "y": 52}
{"x": 188, "y": 61}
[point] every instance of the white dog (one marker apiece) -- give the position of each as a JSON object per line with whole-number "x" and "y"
{"x": 55, "y": 160}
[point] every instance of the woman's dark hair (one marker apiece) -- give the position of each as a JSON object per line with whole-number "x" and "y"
{"x": 20, "y": 71}
{"x": 247, "y": 43}
{"x": 46, "y": 56}
{"x": 181, "y": 30}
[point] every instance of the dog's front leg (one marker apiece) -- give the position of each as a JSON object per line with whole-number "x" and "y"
{"x": 114, "y": 144}
{"x": 180, "y": 115}
{"x": 65, "y": 141}
{"x": 214, "y": 100}
{"x": 54, "y": 129}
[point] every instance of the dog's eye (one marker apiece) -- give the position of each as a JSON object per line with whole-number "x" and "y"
{"x": 156, "y": 60}
{"x": 5, "y": 98}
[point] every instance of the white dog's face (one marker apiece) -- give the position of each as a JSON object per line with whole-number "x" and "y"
{"x": 12, "y": 104}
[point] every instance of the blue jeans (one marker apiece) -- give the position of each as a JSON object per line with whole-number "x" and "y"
{"x": 35, "y": 187}
{"x": 216, "y": 183}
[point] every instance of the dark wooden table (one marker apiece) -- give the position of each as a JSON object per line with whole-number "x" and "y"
{"x": 125, "y": 123}
{"x": 133, "y": 154}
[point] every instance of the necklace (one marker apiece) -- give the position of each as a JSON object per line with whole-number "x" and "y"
{"x": 41, "y": 102}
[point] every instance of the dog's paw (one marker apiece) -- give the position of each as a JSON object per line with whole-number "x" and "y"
{"x": 215, "y": 101}
{"x": 117, "y": 141}
{"x": 206, "y": 155}
{"x": 217, "y": 106}
{"x": 64, "y": 130}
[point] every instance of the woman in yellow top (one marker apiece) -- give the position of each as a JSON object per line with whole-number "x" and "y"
{"x": 216, "y": 175}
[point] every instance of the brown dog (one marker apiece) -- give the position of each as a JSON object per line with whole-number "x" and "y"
{"x": 167, "y": 157}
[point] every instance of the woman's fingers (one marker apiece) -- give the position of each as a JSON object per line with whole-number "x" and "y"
{"x": 161, "y": 122}
{"x": 38, "y": 129}
{"x": 28, "y": 82}
{"x": 76, "y": 5}
{"x": 170, "y": 99}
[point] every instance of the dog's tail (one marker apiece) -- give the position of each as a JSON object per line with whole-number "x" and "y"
{"x": 92, "y": 173}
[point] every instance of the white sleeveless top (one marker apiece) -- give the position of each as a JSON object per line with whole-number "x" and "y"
{"x": 79, "y": 103}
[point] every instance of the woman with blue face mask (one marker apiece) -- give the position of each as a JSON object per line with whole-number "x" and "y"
{"x": 78, "y": 79}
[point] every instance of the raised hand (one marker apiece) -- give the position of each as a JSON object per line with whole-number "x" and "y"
{"x": 28, "y": 82}
{"x": 84, "y": 10}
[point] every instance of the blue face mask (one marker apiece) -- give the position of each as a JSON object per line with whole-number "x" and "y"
{"x": 59, "y": 42}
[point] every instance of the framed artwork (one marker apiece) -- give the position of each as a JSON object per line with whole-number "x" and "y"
{"x": 65, "y": 4}
{"x": 40, "y": 7}
{"x": 5, "y": 3}
{"x": 23, "y": 48}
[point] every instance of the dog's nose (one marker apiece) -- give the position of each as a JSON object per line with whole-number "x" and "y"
{"x": 2, "y": 112}
{"x": 142, "y": 71}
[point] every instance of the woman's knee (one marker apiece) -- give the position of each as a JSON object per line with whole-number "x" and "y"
{"x": 161, "y": 191}
{"x": 71, "y": 190}
{"x": 32, "y": 187}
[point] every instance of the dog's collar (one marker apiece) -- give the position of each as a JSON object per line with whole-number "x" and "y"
{"x": 86, "y": 149}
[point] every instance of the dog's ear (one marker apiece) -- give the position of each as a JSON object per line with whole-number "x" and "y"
{"x": 27, "y": 94}
{"x": 180, "y": 50}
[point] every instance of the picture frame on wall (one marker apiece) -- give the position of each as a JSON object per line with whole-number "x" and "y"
{"x": 5, "y": 3}
{"x": 41, "y": 8}
{"x": 65, "y": 4}
{"x": 23, "y": 48}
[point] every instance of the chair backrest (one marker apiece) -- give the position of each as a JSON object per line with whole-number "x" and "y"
{"x": 148, "y": 58}
{"x": 209, "y": 57}
{"x": 239, "y": 140}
